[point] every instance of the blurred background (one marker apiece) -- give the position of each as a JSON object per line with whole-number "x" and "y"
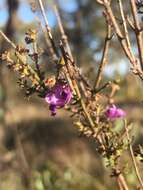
{"x": 38, "y": 151}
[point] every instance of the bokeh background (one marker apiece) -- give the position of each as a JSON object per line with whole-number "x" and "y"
{"x": 41, "y": 152}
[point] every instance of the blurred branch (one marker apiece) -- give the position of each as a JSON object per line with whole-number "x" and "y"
{"x": 132, "y": 155}
{"x": 68, "y": 57}
{"x": 64, "y": 37}
{"x": 138, "y": 31}
{"x": 7, "y": 39}
{"x": 126, "y": 33}
{"x": 25, "y": 169}
{"x": 124, "y": 38}
{"x": 87, "y": 115}
{"x": 47, "y": 41}
{"x": 104, "y": 55}
{"x": 48, "y": 28}
{"x": 120, "y": 36}
{"x": 65, "y": 42}
{"x": 122, "y": 182}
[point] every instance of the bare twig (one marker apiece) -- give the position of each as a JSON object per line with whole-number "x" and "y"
{"x": 49, "y": 46}
{"x": 104, "y": 55}
{"x": 91, "y": 123}
{"x": 123, "y": 37}
{"x": 138, "y": 31}
{"x": 48, "y": 28}
{"x": 132, "y": 155}
{"x": 64, "y": 42}
{"x": 126, "y": 33}
{"x": 119, "y": 33}
{"x": 64, "y": 37}
{"x": 103, "y": 87}
{"x": 121, "y": 180}
{"x": 119, "y": 184}
{"x": 7, "y": 39}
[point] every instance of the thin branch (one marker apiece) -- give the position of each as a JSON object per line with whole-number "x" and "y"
{"x": 104, "y": 55}
{"x": 64, "y": 43}
{"x": 123, "y": 40}
{"x": 21, "y": 152}
{"x": 49, "y": 46}
{"x": 130, "y": 22}
{"x": 119, "y": 184}
{"x": 126, "y": 33}
{"x": 119, "y": 33}
{"x": 7, "y": 39}
{"x": 102, "y": 87}
{"x": 72, "y": 66}
{"x": 133, "y": 156}
{"x": 48, "y": 28}
{"x": 90, "y": 121}
{"x": 63, "y": 35}
{"x": 138, "y": 31}
{"x": 121, "y": 180}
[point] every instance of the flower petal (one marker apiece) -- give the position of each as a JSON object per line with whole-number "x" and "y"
{"x": 113, "y": 112}
{"x": 58, "y": 96}
{"x": 52, "y": 108}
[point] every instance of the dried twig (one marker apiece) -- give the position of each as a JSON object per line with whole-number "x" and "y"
{"x": 48, "y": 28}
{"x": 132, "y": 155}
{"x": 126, "y": 33}
{"x": 104, "y": 55}
{"x": 124, "y": 37}
{"x": 7, "y": 39}
{"x": 138, "y": 31}
{"x": 64, "y": 37}
{"x": 118, "y": 32}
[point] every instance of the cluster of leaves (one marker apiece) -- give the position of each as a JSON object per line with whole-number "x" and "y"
{"x": 30, "y": 77}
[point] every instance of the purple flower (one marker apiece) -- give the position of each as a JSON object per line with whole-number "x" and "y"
{"x": 58, "y": 96}
{"x": 113, "y": 112}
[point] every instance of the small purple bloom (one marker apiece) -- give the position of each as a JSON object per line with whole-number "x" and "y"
{"x": 58, "y": 96}
{"x": 113, "y": 112}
